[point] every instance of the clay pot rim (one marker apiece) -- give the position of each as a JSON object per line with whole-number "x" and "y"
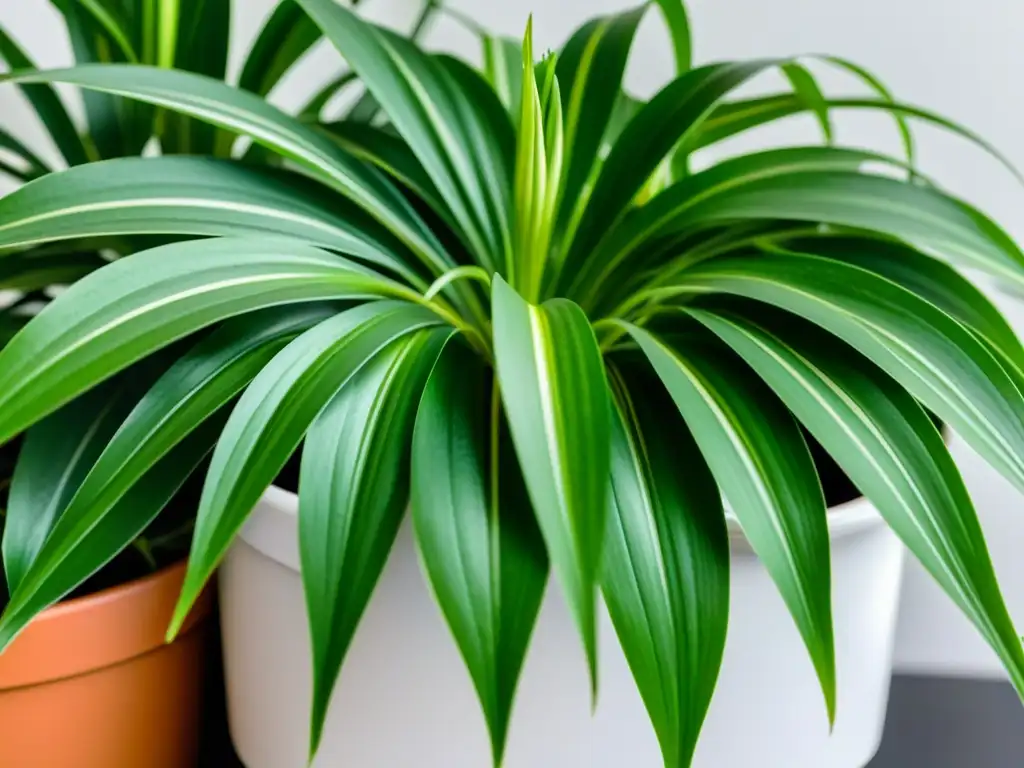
{"x": 95, "y": 600}
{"x": 99, "y": 630}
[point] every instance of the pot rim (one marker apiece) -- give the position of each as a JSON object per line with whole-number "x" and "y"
{"x": 271, "y": 528}
{"x": 99, "y": 630}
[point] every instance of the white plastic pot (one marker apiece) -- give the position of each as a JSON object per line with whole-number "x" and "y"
{"x": 404, "y": 697}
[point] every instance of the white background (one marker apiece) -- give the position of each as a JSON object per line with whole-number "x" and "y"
{"x": 962, "y": 59}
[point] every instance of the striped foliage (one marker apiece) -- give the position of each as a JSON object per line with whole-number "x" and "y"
{"x": 508, "y": 296}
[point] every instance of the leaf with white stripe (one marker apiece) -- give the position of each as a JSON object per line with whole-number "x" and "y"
{"x": 889, "y": 448}
{"x": 668, "y": 119}
{"x": 56, "y": 456}
{"x": 271, "y": 418}
{"x": 142, "y": 303}
{"x": 457, "y": 141}
{"x": 468, "y": 497}
{"x": 766, "y": 476}
{"x": 46, "y": 103}
{"x": 666, "y": 564}
{"x": 353, "y": 493}
{"x": 195, "y": 196}
{"x": 554, "y": 389}
{"x": 215, "y": 102}
{"x": 938, "y": 360}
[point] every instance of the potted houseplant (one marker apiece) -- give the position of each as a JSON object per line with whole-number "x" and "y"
{"x": 96, "y": 664}
{"x": 574, "y": 354}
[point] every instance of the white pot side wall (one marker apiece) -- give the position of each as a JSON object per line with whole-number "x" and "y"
{"x": 961, "y": 59}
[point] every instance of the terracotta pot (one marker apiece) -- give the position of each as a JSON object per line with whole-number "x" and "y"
{"x": 91, "y": 684}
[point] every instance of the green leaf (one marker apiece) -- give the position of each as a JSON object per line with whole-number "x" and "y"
{"x": 353, "y": 492}
{"x": 732, "y": 118}
{"x": 668, "y": 119}
{"x": 56, "y": 456}
{"x": 28, "y": 166}
{"x": 316, "y": 103}
{"x": 590, "y": 71}
{"x": 285, "y": 37}
{"x": 389, "y": 153}
{"x": 46, "y": 103}
{"x": 97, "y": 545}
{"x": 469, "y": 498}
{"x": 933, "y": 356}
{"x": 188, "y": 396}
{"x": 203, "y": 42}
{"x": 807, "y": 90}
{"x": 45, "y": 267}
{"x": 652, "y": 234}
{"x": 678, "y": 23}
{"x": 214, "y": 102}
{"x": 666, "y": 564}
{"x": 554, "y": 389}
{"x": 888, "y": 446}
{"x": 114, "y": 127}
{"x": 766, "y": 476}
{"x": 272, "y": 417}
{"x": 196, "y": 196}
{"x": 538, "y": 172}
{"x": 929, "y": 278}
{"x": 503, "y": 68}
{"x": 454, "y": 139}
{"x": 142, "y": 303}
{"x": 817, "y": 185}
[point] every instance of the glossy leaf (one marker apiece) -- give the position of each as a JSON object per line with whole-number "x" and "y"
{"x": 678, "y": 23}
{"x": 272, "y": 417}
{"x": 285, "y": 38}
{"x": 590, "y": 71}
{"x": 554, "y": 390}
{"x": 819, "y": 185}
{"x": 766, "y": 476}
{"x": 142, "y": 303}
{"x": 353, "y": 492}
{"x": 195, "y": 196}
{"x": 54, "y": 459}
{"x": 929, "y": 278}
{"x": 436, "y": 119}
{"x": 666, "y": 564}
{"x": 97, "y": 545}
{"x": 468, "y": 497}
{"x": 933, "y": 356}
{"x": 668, "y": 119}
{"x": 221, "y": 105}
{"x": 889, "y": 447}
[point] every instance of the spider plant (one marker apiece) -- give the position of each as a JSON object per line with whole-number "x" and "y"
{"x": 571, "y": 350}
{"x": 190, "y": 35}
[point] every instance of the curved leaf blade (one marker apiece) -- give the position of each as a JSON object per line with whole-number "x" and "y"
{"x": 888, "y": 446}
{"x": 142, "y": 303}
{"x": 666, "y": 567}
{"x": 195, "y": 196}
{"x": 933, "y": 356}
{"x": 353, "y": 492}
{"x": 271, "y": 418}
{"x": 453, "y": 139}
{"x": 468, "y": 497}
{"x": 214, "y": 102}
{"x": 554, "y": 390}
{"x": 104, "y": 540}
{"x": 766, "y": 476}
{"x": 46, "y": 103}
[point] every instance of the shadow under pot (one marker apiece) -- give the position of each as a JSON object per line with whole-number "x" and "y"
{"x": 90, "y": 683}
